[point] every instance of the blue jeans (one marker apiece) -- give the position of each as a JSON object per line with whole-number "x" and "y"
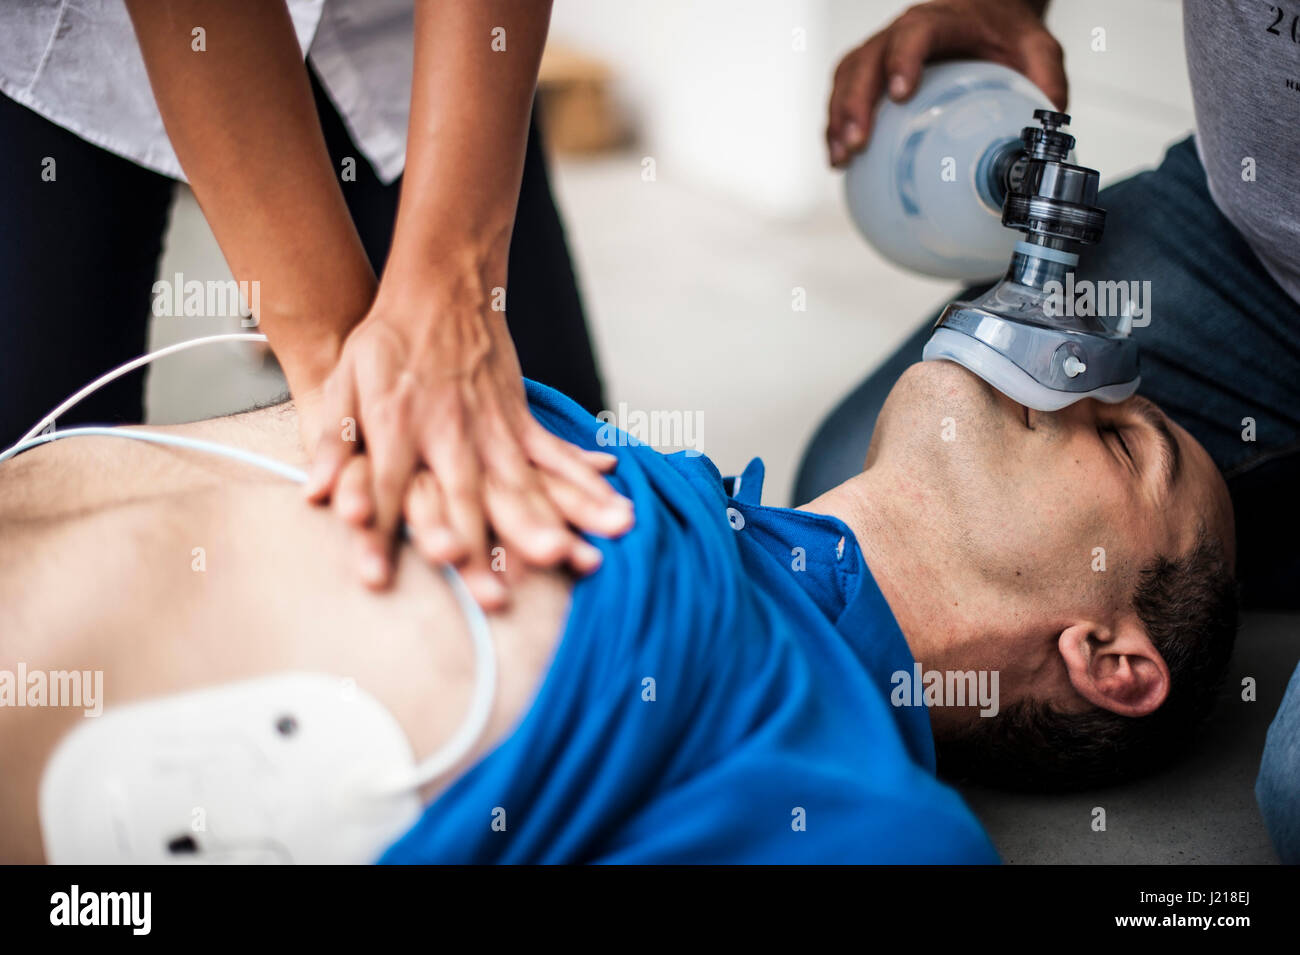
{"x": 1223, "y": 345}
{"x": 1278, "y": 787}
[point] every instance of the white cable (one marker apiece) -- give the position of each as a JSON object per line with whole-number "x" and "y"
{"x": 173, "y": 440}
{"x": 480, "y": 707}
{"x": 132, "y": 365}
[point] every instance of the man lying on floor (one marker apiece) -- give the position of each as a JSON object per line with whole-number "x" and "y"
{"x": 732, "y": 685}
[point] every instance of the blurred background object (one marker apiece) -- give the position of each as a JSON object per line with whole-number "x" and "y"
{"x": 573, "y": 92}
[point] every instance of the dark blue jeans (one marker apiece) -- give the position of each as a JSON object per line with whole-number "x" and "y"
{"x": 1223, "y": 345}
{"x": 1278, "y": 787}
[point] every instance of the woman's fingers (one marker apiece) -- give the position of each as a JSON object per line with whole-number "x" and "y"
{"x": 536, "y": 540}
{"x": 351, "y": 499}
{"x": 454, "y": 460}
{"x": 454, "y": 456}
{"x": 390, "y": 445}
{"x": 353, "y": 502}
{"x": 427, "y": 522}
{"x": 532, "y": 526}
{"x": 593, "y": 505}
{"x": 602, "y": 461}
{"x": 576, "y": 506}
{"x": 517, "y": 506}
{"x": 337, "y": 441}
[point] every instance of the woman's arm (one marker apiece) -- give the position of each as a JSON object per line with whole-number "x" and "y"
{"x": 431, "y": 374}
{"x": 424, "y": 411}
{"x": 242, "y": 120}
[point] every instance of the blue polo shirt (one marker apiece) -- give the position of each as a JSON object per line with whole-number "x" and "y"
{"x": 720, "y": 694}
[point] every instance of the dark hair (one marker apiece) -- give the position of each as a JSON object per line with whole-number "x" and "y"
{"x": 1188, "y": 606}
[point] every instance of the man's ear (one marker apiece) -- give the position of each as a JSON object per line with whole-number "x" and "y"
{"x": 1116, "y": 668}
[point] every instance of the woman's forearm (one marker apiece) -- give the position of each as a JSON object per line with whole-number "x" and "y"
{"x": 241, "y": 117}
{"x": 475, "y": 74}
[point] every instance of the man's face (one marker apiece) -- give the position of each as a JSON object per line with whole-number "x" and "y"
{"x": 1021, "y": 493}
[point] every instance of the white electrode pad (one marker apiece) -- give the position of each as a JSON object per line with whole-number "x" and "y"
{"x": 284, "y": 768}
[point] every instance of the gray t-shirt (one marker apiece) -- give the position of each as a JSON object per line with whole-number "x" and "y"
{"x": 1243, "y": 57}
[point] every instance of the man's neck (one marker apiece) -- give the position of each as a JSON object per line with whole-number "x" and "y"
{"x": 907, "y": 566}
{"x": 951, "y": 617}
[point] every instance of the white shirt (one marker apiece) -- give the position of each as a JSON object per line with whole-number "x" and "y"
{"x": 77, "y": 63}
